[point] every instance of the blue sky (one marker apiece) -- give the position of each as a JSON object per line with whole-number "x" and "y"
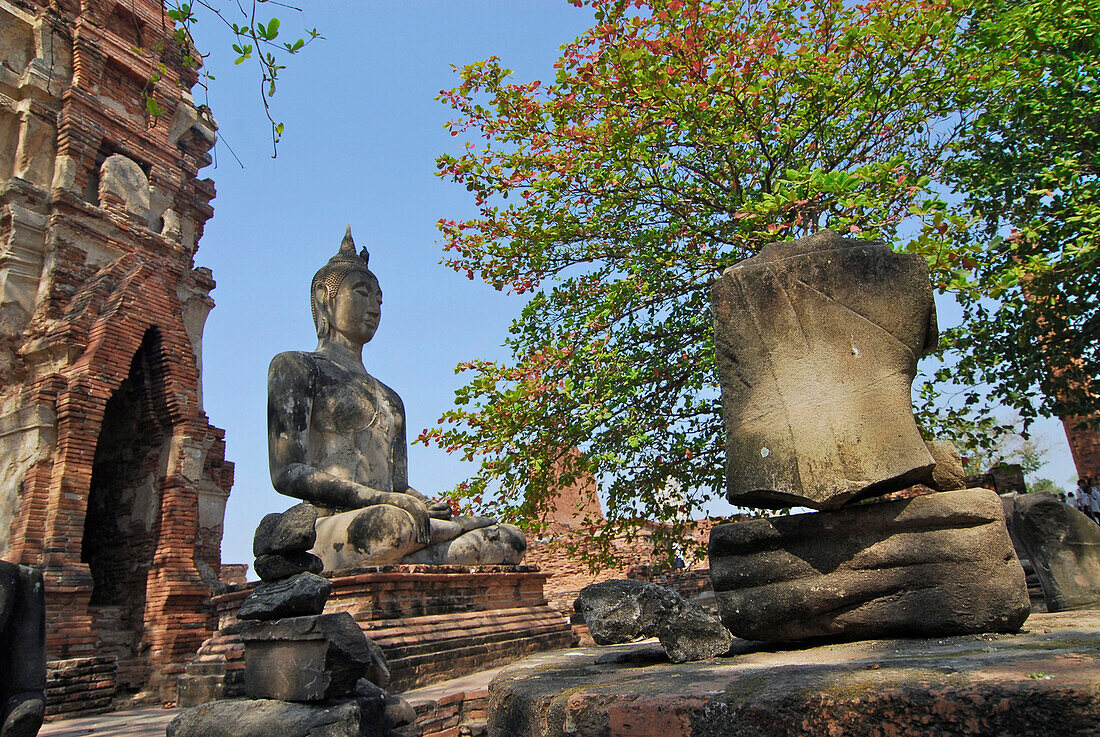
{"x": 362, "y": 133}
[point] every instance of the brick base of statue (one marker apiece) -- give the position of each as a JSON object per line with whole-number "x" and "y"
{"x": 432, "y": 622}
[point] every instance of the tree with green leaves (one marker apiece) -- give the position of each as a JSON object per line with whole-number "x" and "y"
{"x": 677, "y": 138}
{"x": 1029, "y": 162}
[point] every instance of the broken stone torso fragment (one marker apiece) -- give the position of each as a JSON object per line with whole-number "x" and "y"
{"x": 817, "y": 345}
{"x": 336, "y": 439}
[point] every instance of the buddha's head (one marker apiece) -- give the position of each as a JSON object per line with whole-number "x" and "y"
{"x": 345, "y": 295}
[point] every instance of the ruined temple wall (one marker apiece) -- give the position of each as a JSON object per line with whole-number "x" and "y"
{"x": 1084, "y": 444}
{"x": 556, "y": 550}
{"x": 101, "y": 210}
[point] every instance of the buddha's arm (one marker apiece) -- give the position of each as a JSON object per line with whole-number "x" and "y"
{"x": 400, "y": 465}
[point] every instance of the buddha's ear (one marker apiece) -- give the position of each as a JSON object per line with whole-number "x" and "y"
{"x": 324, "y": 309}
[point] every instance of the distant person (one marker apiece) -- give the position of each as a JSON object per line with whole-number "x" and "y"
{"x": 1082, "y": 499}
{"x": 1094, "y": 499}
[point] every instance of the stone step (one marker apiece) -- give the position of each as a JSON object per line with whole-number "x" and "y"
{"x": 411, "y": 633}
{"x": 471, "y": 638}
{"x": 417, "y": 670}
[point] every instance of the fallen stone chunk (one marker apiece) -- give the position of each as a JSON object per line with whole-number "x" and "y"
{"x": 310, "y": 658}
{"x": 817, "y": 342}
{"x": 297, "y": 596}
{"x": 948, "y": 473}
{"x": 268, "y": 718}
{"x": 1064, "y": 548}
{"x": 693, "y": 634}
{"x": 291, "y": 531}
{"x": 934, "y": 565}
{"x": 623, "y": 610}
{"x": 277, "y": 566}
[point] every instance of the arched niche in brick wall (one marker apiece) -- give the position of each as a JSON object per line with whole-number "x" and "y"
{"x": 123, "y": 503}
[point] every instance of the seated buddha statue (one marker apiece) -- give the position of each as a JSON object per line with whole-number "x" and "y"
{"x": 336, "y": 439}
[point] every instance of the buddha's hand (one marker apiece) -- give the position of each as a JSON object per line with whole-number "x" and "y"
{"x": 440, "y": 510}
{"x": 416, "y": 508}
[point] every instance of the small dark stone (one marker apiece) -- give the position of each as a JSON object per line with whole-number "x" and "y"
{"x": 398, "y": 712}
{"x": 623, "y": 610}
{"x": 297, "y": 596}
{"x": 310, "y": 658}
{"x": 1064, "y": 548}
{"x": 268, "y": 718}
{"x": 278, "y": 566}
{"x": 289, "y": 532}
{"x": 372, "y": 709}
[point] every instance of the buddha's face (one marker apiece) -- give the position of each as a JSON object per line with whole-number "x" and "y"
{"x": 357, "y": 307}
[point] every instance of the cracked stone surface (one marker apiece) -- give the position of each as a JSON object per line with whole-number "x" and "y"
{"x": 1042, "y": 681}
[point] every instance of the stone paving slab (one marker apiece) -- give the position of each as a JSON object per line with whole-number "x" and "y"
{"x": 151, "y": 721}
{"x": 145, "y": 722}
{"x": 1042, "y": 681}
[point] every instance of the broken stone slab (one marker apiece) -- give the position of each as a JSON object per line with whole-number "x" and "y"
{"x": 948, "y": 473}
{"x": 817, "y": 342}
{"x": 1064, "y": 548}
{"x": 929, "y": 566}
{"x": 623, "y": 610}
{"x": 291, "y": 531}
{"x": 271, "y": 718}
{"x": 277, "y": 566}
{"x": 297, "y": 596}
{"x": 310, "y": 658}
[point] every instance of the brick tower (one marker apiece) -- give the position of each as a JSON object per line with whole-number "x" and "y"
{"x": 113, "y": 480}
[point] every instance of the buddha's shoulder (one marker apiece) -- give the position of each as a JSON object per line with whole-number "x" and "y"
{"x": 293, "y": 364}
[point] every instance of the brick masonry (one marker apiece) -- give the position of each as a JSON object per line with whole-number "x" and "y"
{"x": 1084, "y": 443}
{"x": 112, "y": 480}
{"x": 433, "y": 623}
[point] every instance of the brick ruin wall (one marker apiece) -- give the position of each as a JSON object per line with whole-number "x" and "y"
{"x": 555, "y": 550}
{"x": 1084, "y": 444}
{"x": 112, "y": 479}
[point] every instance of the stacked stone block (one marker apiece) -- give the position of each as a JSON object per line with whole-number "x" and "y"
{"x": 306, "y": 673}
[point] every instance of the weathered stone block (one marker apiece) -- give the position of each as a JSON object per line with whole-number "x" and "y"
{"x": 297, "y": 596}
{"x": 934, "y": 565}
{"x": 1064, "y": 548}
{"x": 817, "y": 344}
{"x": 277, "y": 566}
{"x": 310, "y": 658}
{"x": 268, "y": 718}
{"x": 971, "y": 686}
{"x": 286, "y": 532}
{"x": 622, "y": 610}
